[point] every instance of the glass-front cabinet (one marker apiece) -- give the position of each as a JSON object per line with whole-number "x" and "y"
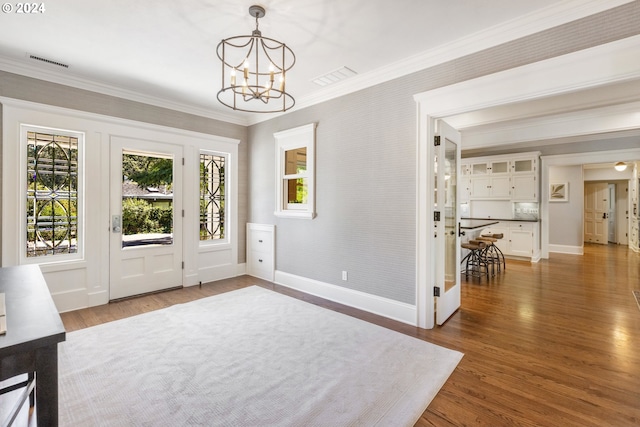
{"x": 503, "y": 177}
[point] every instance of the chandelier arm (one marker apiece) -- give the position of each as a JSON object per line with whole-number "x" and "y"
{"x": 266, "y": 48}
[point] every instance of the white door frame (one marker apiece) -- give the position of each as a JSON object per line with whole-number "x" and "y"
{"x": 590, "y": 68}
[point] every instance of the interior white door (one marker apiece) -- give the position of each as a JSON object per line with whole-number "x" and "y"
{"x": 596, "y": 208}
{"x": 146, "y": 217}
{"x": 447, "y": 259}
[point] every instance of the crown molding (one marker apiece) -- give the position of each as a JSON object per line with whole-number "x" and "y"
{"x": 54, "y": 76}
{"x": 555, "y": 15}
{"x": 549, "y": 17}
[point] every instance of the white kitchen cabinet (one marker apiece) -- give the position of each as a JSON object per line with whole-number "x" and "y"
{"x": 524, "y": 188}
{"x": 523, "y": 166}
{"x": 520, "y": 238}
{"x": 465, "y": 188}
{"x": 464, "y": 183}
{"x": 489, "y": 167}
{"x": 504, "y": 177}
{"x": 261, "y": 250}
{"x": 490, "y": 187}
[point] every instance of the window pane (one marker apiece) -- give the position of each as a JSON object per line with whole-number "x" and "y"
{"x": 296, "y": 161}
{"x": 52, "y": 194}
{"x": 212, "y": 197}
{"x": 296, "y": 190}
{"x": 147, "y": 200}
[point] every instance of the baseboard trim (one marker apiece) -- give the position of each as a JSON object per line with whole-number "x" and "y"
{"x": 402, "y": 312}
{"x": 564, "y": 249}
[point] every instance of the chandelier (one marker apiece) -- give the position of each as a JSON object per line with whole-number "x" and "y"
{"x": 254, "y": 71}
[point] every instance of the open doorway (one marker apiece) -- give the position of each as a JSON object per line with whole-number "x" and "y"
{"x": 610, "y": 188}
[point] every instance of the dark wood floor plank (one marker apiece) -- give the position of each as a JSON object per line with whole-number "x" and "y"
{"x": 554, "y": 343}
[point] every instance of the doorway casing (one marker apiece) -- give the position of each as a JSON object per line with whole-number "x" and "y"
{"x": 591, "y": 68}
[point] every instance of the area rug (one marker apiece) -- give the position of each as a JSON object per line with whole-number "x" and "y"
{"x": 250, "y": 357}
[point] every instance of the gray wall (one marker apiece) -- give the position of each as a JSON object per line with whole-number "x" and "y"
{"x": 366, "y": 167}
{"x": 566, "y": 218}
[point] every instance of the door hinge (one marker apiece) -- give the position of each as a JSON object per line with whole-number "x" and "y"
{"x": 183, "y": 161}
{"x": 182, "y": 213}
{"x": 436, "y": 291}
{"x": 436, "y": 216}
{"x": 183, "y": 265}
{"x": 436, "y": 140}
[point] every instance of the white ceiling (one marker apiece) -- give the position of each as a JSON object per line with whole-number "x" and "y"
{"x": 164, "y": 52}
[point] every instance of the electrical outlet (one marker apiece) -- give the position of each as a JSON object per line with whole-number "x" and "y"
{"x": 344, "y": 275}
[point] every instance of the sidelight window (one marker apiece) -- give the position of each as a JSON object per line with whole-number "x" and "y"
{"x": 212, "y": 196}
{"x": 52, "y": 196}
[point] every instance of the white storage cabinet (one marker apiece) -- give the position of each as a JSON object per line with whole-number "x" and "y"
{"x": 261, "y": 250}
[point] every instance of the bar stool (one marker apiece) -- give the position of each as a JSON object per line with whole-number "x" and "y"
{"x": 491, "y": 256}
{"x": 495, "y": 250}
{"x": 476, "y": 265}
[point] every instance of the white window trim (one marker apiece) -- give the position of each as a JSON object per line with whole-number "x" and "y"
{"x": 60, "y": 258}
{"x": 302, "y": 136}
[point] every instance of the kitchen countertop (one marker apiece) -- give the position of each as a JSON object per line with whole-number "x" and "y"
{"x": 474, "y": 223}
{"x": 500, "y": 219}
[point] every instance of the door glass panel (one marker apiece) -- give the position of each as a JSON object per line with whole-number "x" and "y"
{"x": 500, "y": 167}
{"x": 479, "y": 168}
{"x": 523, "y": 166}
{"x": 451, "y": 204}
{"x": 147, "y": 199}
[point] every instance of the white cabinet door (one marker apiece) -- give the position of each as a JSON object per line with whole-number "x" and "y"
{"x": 520, "y": 242}
{"x": 500, "y": 187}
{"x": 523, "y": 166}
{"x": 524, "y": 188}
{"x": 260, "y": 250}
{"x": 490, "y": 187}
{"x": 500, "y": 167}
{"x": 480, "y": 187}
{"x": 465, "y": 188}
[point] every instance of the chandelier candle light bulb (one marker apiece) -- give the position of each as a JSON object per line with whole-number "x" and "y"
{"x": 269, "y": 58}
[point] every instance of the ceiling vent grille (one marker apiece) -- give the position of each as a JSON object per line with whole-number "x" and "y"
{"x": 48, "y": 61}
{"x": 334, "y": 76}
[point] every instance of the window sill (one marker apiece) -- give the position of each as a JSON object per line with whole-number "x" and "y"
{"x": 294, "y": 214}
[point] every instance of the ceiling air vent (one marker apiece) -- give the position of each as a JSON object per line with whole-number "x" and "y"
{"x": 48, "y": 61}
{"x": 334, "y": 76}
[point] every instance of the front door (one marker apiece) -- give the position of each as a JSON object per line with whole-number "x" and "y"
{"x": 146, "y": 217}
{"x": 447, "y": 240}
{"x": 596, "y": 209}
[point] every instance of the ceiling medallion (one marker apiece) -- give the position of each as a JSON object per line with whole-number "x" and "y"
{"x": 254, "y": 71}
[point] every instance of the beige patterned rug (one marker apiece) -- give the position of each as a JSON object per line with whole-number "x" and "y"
{"x": 250, "y": 357}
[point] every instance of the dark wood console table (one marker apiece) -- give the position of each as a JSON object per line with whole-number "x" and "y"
{"x": 34, "y": 329}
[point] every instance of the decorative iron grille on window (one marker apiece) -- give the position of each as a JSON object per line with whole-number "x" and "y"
{"x": 52, "y": 194}
{"x": 212, "y": 196}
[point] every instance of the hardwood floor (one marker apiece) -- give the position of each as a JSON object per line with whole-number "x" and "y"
{"x": 556, "y": 343}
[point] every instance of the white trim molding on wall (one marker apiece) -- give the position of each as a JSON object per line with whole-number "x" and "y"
{"x": 85, "y": 282}
{"x": 595, "y": 67}
{"x": 402, "y": 312}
